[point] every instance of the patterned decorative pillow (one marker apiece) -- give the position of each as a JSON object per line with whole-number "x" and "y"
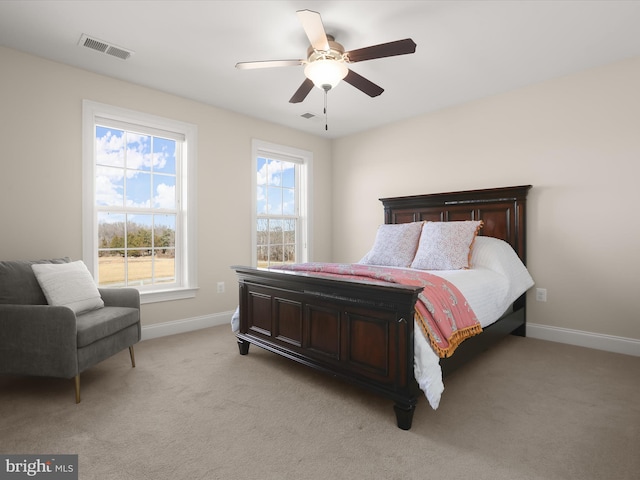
{"x": 395, "y": 245}
{"x": 446, "y": 245}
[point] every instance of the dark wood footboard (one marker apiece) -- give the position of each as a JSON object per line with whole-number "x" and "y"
{"x": 358, "y": 332}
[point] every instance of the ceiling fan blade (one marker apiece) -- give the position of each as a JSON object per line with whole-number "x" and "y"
{"x": 312, "y": 24}
{"x": 399, "y": 47}
{"x": 363, "y": 84}
{"x": 302, "y": 91}
{"x": 268, "y": 64}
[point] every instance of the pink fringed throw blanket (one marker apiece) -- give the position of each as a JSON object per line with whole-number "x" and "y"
{"x": 441, "y": 310}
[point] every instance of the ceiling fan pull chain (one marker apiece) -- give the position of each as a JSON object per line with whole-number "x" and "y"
{"x": 326, "y": 90}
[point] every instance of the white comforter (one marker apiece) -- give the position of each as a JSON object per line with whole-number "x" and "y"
{"x": 497, "y": 278}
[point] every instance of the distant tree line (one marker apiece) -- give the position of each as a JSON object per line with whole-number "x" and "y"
{"x": 141, "y": 238}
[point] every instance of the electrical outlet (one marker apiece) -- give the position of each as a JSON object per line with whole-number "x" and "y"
{"x": 541, "y": 294}
{"x": 220, "y": 287}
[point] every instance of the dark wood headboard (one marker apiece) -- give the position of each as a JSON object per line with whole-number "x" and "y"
{"x": 503, "y": 211}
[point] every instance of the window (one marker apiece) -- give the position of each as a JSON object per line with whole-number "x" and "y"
{"x": 281, "y": 219}
{"x": 139, "y": 193}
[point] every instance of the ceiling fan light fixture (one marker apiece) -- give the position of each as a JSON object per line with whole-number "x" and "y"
{"x": 326, "y": 61}
{"x": 325, "y": 72}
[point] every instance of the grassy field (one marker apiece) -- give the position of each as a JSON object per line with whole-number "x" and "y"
{"x": 111, "y": 270}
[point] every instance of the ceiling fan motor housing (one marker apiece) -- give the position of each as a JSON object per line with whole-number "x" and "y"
{"x": 335, "y": 52}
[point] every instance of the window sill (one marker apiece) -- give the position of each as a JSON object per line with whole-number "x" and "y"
{"x": 167, "y": 295}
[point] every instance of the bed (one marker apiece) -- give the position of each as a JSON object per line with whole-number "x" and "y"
{"x": 363, "y": 331}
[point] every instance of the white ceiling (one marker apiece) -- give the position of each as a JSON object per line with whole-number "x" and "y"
{"x": 466, "y": 50}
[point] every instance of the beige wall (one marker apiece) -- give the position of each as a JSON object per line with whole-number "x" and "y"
{"x": 41, "y": 173}
{"x": 575, "y": 139}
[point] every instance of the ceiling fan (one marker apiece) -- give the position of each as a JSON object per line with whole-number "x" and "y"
{"x": 326, "y": 62}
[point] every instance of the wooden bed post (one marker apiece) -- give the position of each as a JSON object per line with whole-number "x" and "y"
{"x": 404, "y": 416}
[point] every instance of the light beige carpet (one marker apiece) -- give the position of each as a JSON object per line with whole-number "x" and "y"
{"x": 193, "y": 408}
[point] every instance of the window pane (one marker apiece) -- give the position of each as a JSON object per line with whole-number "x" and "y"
{"x": 109, "y": 147}
{"x": 274, "y": 173}
{"x": 289, "y": 231}
{"x": 165, "y": 267}
{"x": 138, "y": 189}
{"x": 261, "y": 200}
{"x": 111, "y": 269}
{"x": 288, "y": 175}
{"x": 109, "y": 186}
{"x": 274, "y": 199}
{"x": 111, "y": 233}
{"x": 164, "y": 188}
{"x": 111, "y": 261}
{"x": 139, "y": 268}
{"x": 139, "y": 234}
{"x": 288, "y": 201}
{"x": 262, "y": 228}
{"x": 261, "y": 177}
{"x": 275, "y": 254}
{"x": 164, "y": 230}
{"x": 138, "y": 151}
{"x": 289, "y": 254}
{"x": 164, "y": 155}
{"x": 164, "y": 241}
{"x": 275, "y": 232}
{"x": 263, "y": 256}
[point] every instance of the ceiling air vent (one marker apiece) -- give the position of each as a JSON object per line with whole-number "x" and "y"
{"x": 104, "y": 47}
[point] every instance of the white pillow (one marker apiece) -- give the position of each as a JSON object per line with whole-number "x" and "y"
{"x": 69, "y": 285}
{"x": 499, "y": 256}
{"x": 446, "y": 245}
{"x": 395, "y": 245}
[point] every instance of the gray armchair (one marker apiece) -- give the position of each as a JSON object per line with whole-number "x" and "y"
{"x": 52, "y": 341}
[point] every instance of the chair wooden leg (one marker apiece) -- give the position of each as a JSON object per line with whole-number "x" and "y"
{"x": 77, "y": 382}
{"x": 133, "y": 358}
{"x": 77, "y": 377}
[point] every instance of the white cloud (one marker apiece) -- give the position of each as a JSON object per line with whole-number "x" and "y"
{"x": 109, "y": 189}
{"x": 166, "y": 196}
{"x": 110, "y": 150}
{"x": 160, "y": 159}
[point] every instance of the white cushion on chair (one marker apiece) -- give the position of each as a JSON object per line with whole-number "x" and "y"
{"x": 69, "y": 285}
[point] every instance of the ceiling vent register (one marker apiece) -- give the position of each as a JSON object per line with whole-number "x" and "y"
{"x": 104, "y": 47}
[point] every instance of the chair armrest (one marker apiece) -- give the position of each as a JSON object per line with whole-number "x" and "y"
{"x": 38, "y": 340}
{"x": 120, "y": 297}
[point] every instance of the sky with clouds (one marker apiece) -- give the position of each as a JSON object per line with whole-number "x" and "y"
{"x": 135, "y": 170}
{"x": 276, "y": 182}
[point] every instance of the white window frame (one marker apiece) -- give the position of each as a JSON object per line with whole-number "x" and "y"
{"x": 304, "y": 160}
{"x": 186, "y": 253}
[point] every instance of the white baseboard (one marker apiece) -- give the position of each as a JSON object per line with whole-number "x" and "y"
{"x": 186, "y": 325}
{"x": 599, "y": 341}
{"x": 610, "y": 343}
